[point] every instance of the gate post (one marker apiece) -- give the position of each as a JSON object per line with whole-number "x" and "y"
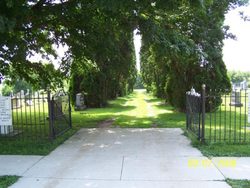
{"x": 70, "y": 119}
{"x": 187, "y": 115}
{"x": 203, "y": 98}
{"x": 50, "y": 113}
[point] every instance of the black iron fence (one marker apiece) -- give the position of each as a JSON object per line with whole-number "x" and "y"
{"x": 219, "y": 116}
{"x": 36, "y": 117}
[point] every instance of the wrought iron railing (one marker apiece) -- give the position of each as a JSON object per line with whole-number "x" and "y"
{"x": 219, "y": 116}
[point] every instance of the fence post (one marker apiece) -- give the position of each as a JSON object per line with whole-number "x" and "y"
{"x": 203, "y": 98}
{"x": 50, "y": 108}
{"x": 187, "y": 112}
{"x": 70, "y": 119}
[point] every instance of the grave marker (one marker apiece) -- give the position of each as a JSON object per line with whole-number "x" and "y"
{"x": 80, "y": 104}
{"x": 236, "y": 99}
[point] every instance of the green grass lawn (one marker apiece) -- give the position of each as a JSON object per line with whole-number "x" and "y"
{"x": 136, "y": 110}
{"x": 220, "y": 149}
{"x": 6, "y": 181}
{"x": 32, "y": 147}
{"x": 229, "y": 123}
{"x": 238, "y": 183}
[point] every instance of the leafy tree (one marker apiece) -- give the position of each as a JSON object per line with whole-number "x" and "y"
{"x": 177, "y": 36}
{"x": 15, "y": 87}
{"x": 139, "y": 82}
{"x": 6, "y": 90}
{"x": 23, "y": 33}
{"x": 238, "y": 76}
{"x": 186, "y": 51}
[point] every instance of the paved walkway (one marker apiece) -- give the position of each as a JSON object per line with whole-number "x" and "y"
{"x": 124, "y": 158}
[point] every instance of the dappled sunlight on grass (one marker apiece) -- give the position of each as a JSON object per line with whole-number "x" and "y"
{"x": 138, "y": 109}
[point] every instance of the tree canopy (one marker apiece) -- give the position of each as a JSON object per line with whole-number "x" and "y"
{"x": 177, "y": 36}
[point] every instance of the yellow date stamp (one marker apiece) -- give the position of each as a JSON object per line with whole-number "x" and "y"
{"x": 206, "y": 163}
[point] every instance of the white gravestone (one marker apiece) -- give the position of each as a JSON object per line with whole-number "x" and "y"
{"x": 16, "y": 102}
{"x": 80, "y": 105}
{"x": 21, "y": 94}
{"x": 243, "y": 85}
{"x": 236, "y": 99}
{"x": 6, "y": 126}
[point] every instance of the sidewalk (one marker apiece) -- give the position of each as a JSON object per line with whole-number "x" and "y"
{"x": 112, "y": 158}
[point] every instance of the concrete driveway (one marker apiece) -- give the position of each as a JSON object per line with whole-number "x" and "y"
{"x": 123, "y": 158}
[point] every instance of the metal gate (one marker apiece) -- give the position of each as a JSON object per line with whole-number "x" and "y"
{"x": 195, "y": 112}
{"x": 59, "y": 114}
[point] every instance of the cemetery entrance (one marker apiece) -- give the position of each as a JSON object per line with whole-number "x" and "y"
{"x": 36, "y": 116}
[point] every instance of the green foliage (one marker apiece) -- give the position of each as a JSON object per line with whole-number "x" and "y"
{"x": 139, "y": 82}
{"x": 89, "y": 82}
{"x": 238, "y": 183}
{"x": 186, "y": 51}
{"x": 107, "y": 67}
{"x": 6, "y": 90}
{"x": 15, "y": 86}
{"x": 7, "y": 181}
{"x": 238, "y": 76}
{"x": 175, "y": 34}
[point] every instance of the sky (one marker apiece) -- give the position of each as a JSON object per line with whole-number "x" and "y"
{"x": 137, "y": 43}
{"x": 236, "y": 53}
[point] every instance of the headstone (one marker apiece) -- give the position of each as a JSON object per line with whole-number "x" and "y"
{"x": 236, "y": 99}
{"x": 16, "y": 102}
{"x": 243, "y": 85}
{"x": 21, "y": 95}
{"x": 57, "y": 105}
{"x": 57, "y": 108}
{"x": 240, "y": 85}
{"x": 6, "y": 126}
{"x": 28, "y": 100}
{"x": 193, "y": 92}
{"x": 35, "y": 94}
{"x": 80, "y": 104}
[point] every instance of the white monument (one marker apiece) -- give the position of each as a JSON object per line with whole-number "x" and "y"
{"x": 236, "y": 99}
{"x": 243, "y": 85}
{"x": 6, "y": 126}
{"x": 80, "y": 105}
{"x": 240, "y": 85}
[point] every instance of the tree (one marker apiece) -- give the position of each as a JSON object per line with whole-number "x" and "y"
{"x": 177, "y": 36}
{"x": 186, "y": 51}
{"x": 6, "y": 90}
{"x": 238, "y": 76}
{"x": 15, "y": 87}
{"x": 139, "y": 82}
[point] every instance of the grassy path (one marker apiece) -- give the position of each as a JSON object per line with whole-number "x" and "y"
{"x": 139, "y": 104}
{"x": 136, "y": 110}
